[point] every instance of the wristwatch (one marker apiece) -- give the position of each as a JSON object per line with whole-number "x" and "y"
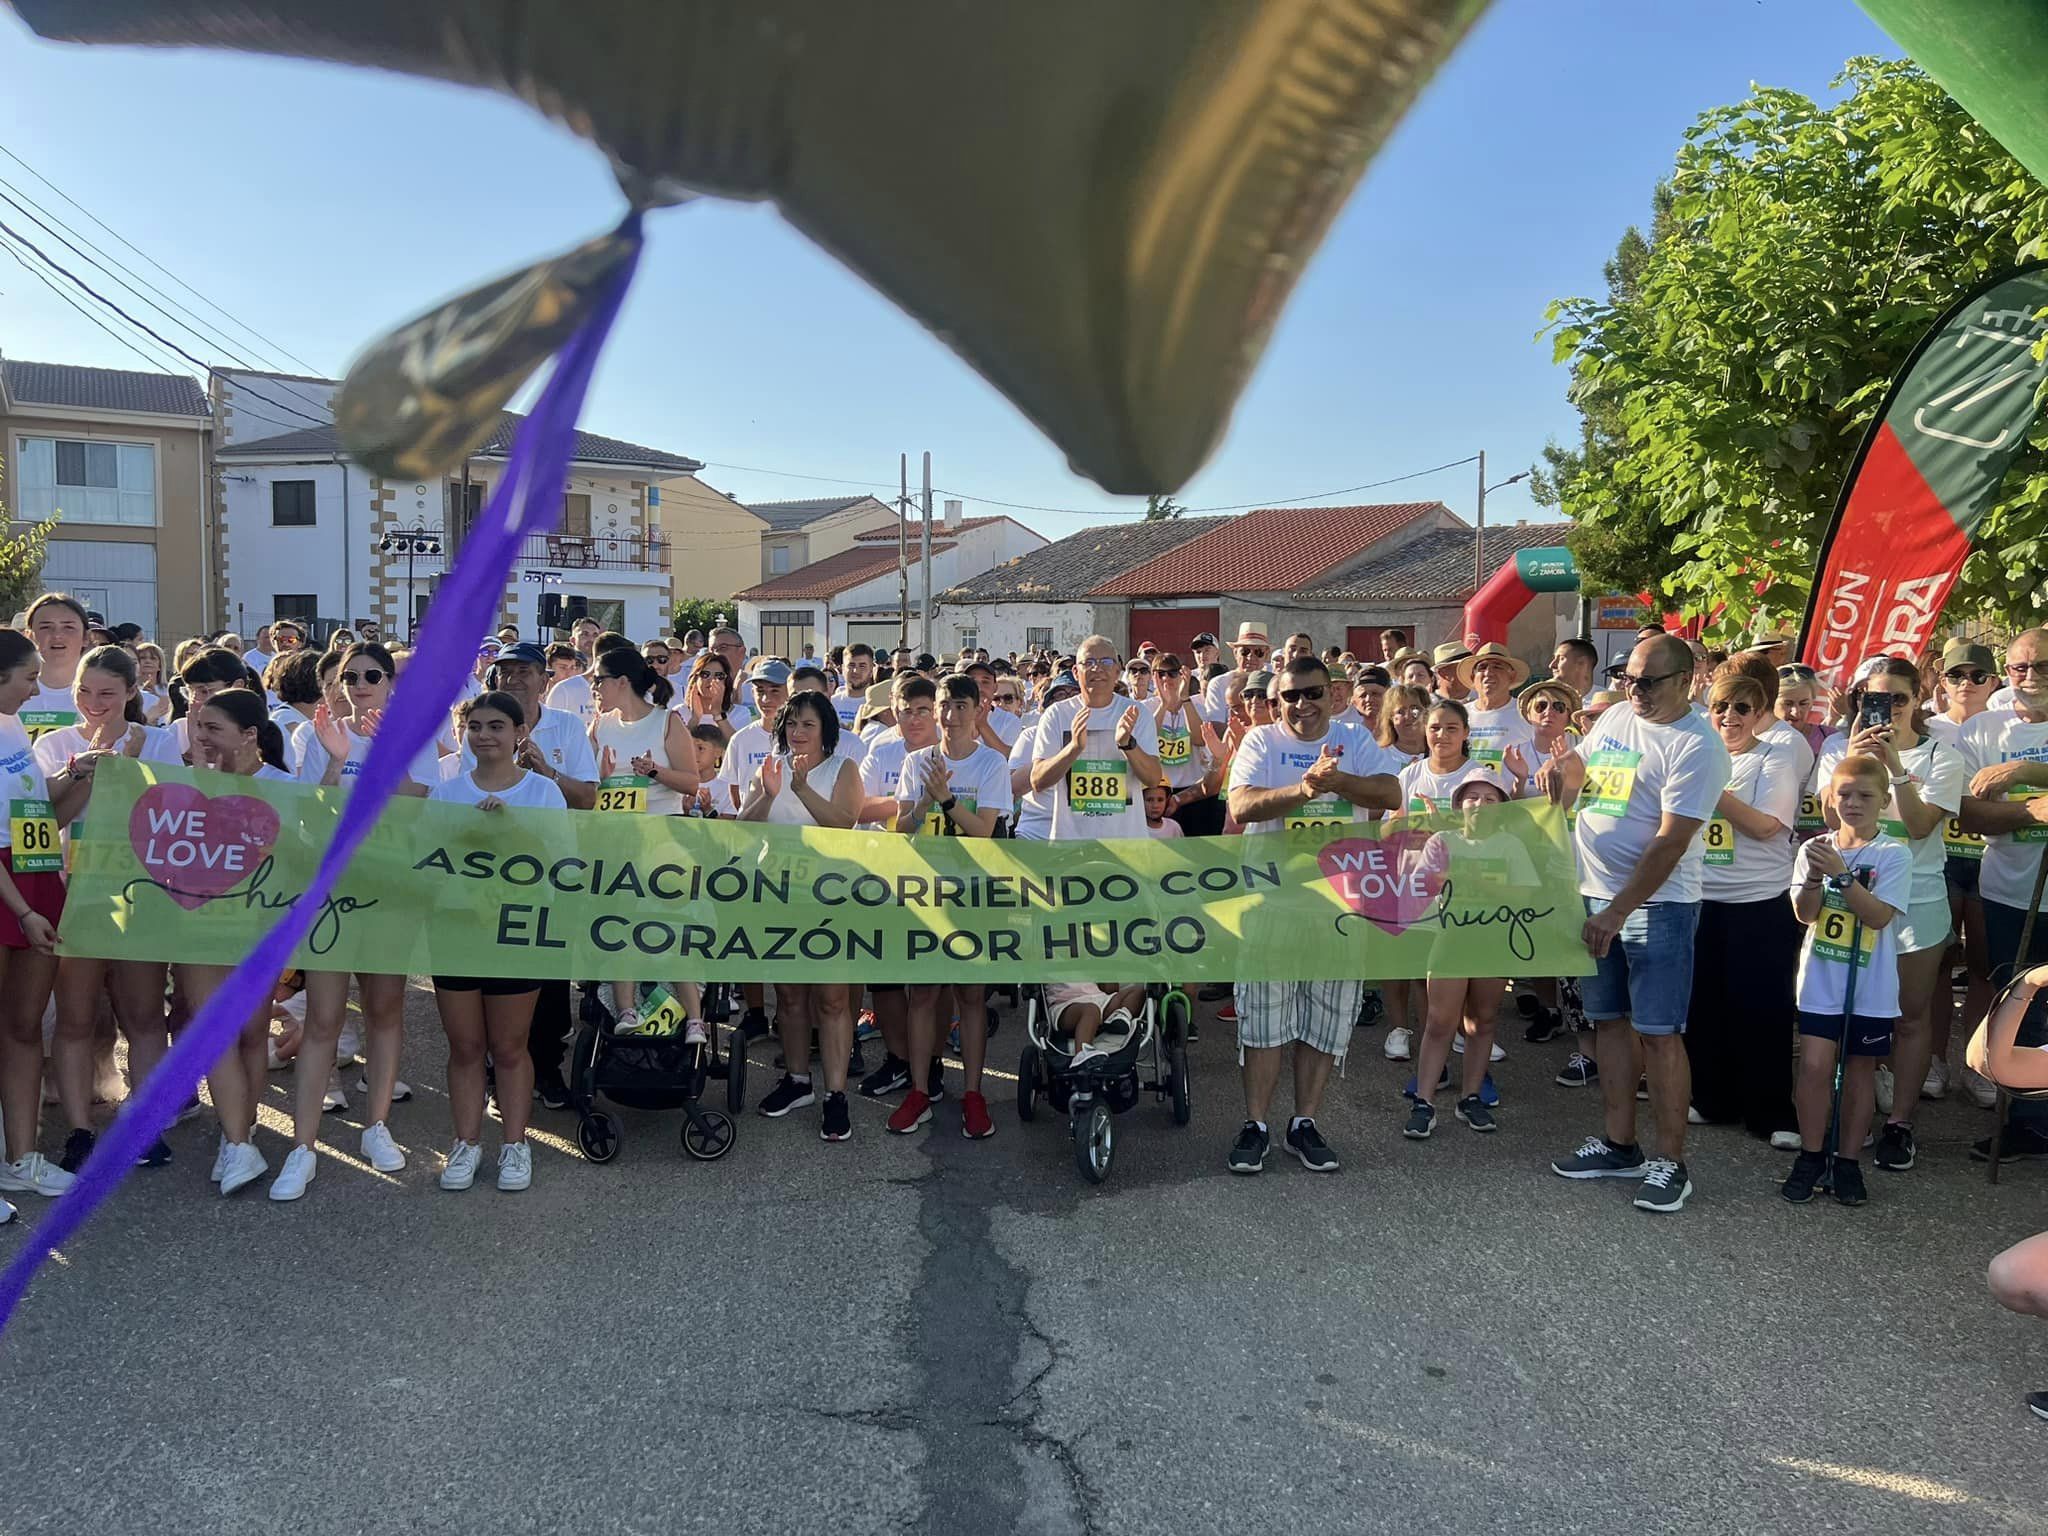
{"x": 948, "y": 803}
{"x": 1838, "y": 883}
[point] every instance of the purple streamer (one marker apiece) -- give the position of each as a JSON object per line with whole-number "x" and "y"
{"x": 528, "y": 500}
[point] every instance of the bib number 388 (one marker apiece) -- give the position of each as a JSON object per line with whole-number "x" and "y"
{"x": 1095, "y": 786}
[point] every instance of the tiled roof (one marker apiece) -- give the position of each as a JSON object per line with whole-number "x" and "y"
{"x": 1435, "y": 568}
{"x": 832, "y": 575}
{"x": 939, "y": 529}
{"x": 1275, "y": 549}
{"x": 788, "y": 516}
{"x": 1066, "y": 569}
{"x": 591, "y": 448}
{"x": 104, "y": 389}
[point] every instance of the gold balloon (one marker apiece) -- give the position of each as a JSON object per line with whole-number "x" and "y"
{"x": 1100, "y": 204}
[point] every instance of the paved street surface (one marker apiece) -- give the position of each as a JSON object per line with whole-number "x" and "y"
{"x": 927, "y": 1334}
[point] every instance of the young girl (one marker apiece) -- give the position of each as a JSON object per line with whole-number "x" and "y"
{"x": 1428, "y": 784}
{"x": 232, "y": 732}
{"x": 31, "y": 903}
{"x": 156, "y": 698}
{"x": 491, "y": 1013}
{"x": 1848, "y": 887}
{"x": 1156, "y": 822}
{"x": 647, "y": 765}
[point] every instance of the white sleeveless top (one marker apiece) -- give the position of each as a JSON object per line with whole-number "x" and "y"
{"x": 627, "y": 741}
{"x": 787, "y": 810}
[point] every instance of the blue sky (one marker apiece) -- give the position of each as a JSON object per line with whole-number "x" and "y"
{"x": 320, "y": 205}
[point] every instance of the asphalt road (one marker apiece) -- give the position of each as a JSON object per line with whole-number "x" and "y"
{"x": 935, "y": 1335}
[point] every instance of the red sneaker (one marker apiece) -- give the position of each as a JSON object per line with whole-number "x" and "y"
{"x": 914, "y": 1111}
{"x": 975, "y": 1123}
{"x": 1227, "y": 1014}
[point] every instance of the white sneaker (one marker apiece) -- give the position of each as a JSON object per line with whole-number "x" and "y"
{"x": 1458, "y": 1043}
{"x": 627, "y": 1023}
{"x": 1693, "y": 1116}
{"x": 515, "y": 1165}
{"x": 1087, "y": 1053}
{"x": 1982, "y": 1091}
{"x": 296, "y": 1174}
{"x": 380, "y": 1151}
{"x": 34, "y": 1175}
{"x": 349, "y": 1049}
{"x": 401, "y": 1090}
{"x": 6, "y": 1213}
{"x": 693, "y": 1032}
{"x": 1398, "y": 1043}
{"x": 275, "y": 1062}
{"x": 1884, "y": 1090}
{"x": 245, "y": 1165}
{"x": 336, "y": 1102}
{"x": 1785, "y": 1141}
{"x": 220, "y": 1159}
{"x": 463, "y": 1158}
{"x": 1936, "y": 1085}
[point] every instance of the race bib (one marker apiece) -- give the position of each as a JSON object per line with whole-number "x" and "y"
{"x": 1331, "y": 811}
{"x": 1095, "y": 786}
{"x": 40, "y": 722}
{"x": 2037, "y": 833}
{"x": 938, "y": 824}
{"x": 1836, "y": 927}
{"x": 1720, "y": 842}
{"x": 1809, "y": 822}
{"x": 1176, "y": 748}
{"x": 623, "y": 792}
{"x": 1961, "y": 844}
{"x": 1488, "y": 750}
{"x": 661, "y": 1016}
{"x": 1893, "y": 828}
{"x": 32, "y": 829}
{"x": 1610, "y": 781}
{"x": 1422, "y": 805}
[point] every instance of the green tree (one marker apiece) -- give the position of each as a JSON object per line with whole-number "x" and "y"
{"x": 702, "y": 613}
{"x": 21, "y": 559}
{"x": 1745, "y": 345}
{"x": 1162, "y": 509}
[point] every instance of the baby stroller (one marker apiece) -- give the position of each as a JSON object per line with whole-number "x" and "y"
{"x": 645, "y": 1072}
{"x": 1091, "y": 1095}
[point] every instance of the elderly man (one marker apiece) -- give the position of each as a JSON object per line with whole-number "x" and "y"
{"x": 1774, "y": 645}
{"x": 1498, "y": 735}
{"x": 1574, "y": 663}
{"x": 1086, "y": 752}
{"x": 1651, "y": 776}
{"x": 1299, "y": 772}
{"x": 1249, "y": 651}
{"x": 1444, "y": 663}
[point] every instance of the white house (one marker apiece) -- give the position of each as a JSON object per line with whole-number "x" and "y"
{"x": 856, "y": 594}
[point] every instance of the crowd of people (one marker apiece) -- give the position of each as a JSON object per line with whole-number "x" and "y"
{"x": 1773, "y": 873}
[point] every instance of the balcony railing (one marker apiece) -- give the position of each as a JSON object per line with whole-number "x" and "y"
{"x": 592, "y": 552}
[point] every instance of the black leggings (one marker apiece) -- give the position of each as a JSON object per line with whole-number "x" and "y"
{"x": 1739, "y": 1028}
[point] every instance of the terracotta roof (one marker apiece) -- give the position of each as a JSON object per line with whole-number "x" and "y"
{"x": 1435, "y": 568}
{"x": 103, "y": 389}
{"x": 1065, "y": 570}
{"x": 591, "y": 448}
{"x": 788, "y": 516}
{"x": 1275, "y": 549}
{"x": 833, "y": 574}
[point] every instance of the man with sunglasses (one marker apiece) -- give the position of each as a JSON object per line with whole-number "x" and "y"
{"x": 1651, "y": 775}
{"x": 1298, "y": 772}
{"x": 1250, "y": 650}
{"x": 2007, "y": 802}
{"x": 1096, "y": 753}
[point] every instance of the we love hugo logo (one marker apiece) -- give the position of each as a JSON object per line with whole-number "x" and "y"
{"x": 197, "y": 847}
{"x": 1385, "y": 880}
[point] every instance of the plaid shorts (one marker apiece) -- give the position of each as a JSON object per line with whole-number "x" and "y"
{"x": 1319, "y": 1014}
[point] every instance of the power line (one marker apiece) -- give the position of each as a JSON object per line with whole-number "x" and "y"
{"x": 156, "y": 363}
{"x": 152, "y": 261}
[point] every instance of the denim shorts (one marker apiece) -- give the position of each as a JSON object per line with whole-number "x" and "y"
{"x": 1646, "y": 974}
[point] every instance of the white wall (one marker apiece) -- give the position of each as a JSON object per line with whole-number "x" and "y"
{"x": 330, "y": 559}
{"x": 750, "y": 621}
{"x": 251, "y": 406}
{"x": 647, "y": 608}
{"x": 1002, "y": 627}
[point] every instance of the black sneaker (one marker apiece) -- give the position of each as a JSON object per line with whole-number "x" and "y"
{"x": 1805, "y": 1176}
{"x": 1248, "y": 1153}
{"x": 1306, "y": 1143}
{"x": 155, "y": 1155}
{"x": 1599, "y": 1158}
{"x": 1579, "y": 1072}
{"x": 2022, "y": 1144}
{"x": 1665, "y": 1186}
{"x": 857, "y": 1063}
{"x": 838, "y": 1122}
{"x": 1896, "y": 1151}
{"x": 1421, "y": 1121}
{"x": 2037, "y": 1404}
{"x": 1372, "y": 1009}
{"x": 552, "y": 1091}
{"x": 1848, "y": 1182}
{"x": 753, "y": 1024}
{"x": 77, "y": 1148}
{"x": 892, "y": 1076}
{"x": 1545, "y": 1024}
{"x": 1473, "y": 1111}
{"x": 935, "y": 1081}
{"x": 787, "y": 1095}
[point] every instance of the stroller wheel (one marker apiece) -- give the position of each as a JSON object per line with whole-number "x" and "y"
{"x": 735, "y": 1072}
{"x": 1027, "y": 1083}
{"x": 598, "y": 1134}
{"x": 1183, "y": 1104}
{"x": 1094, "y": 1132}
{"x": 708, "y": 1135}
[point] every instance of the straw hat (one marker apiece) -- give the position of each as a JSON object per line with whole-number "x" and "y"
{"x": 1449, "y": 654}
{"x": 1563, "y": 690}
{"x": 1493, "y": 650}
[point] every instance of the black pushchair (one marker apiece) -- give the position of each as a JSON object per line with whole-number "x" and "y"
{"x": 649, "y": 1072}
{"x": 1153, "y": 1056}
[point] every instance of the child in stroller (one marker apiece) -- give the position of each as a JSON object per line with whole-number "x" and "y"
{"x": 1085, "y": 1055}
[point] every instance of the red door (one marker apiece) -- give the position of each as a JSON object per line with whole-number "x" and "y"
{"x": 1363, "y": 640}
{"x": 1171, "y": 628}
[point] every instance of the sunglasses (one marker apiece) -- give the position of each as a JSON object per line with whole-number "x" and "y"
{"x": 1252, "y": 697}
{"x": 1804, "y": 673}
{"x": 1648, "y": 680}
{"x": 1006, "y": 698}
{"x": 1137, "y": 669}
{"x": 369, "y": 679}
{"x": 1252, "y": 650}
{"x": 1740, "y": 707}
{"x": 1967, "y": 675}
{"x": 1549, "y": 706}
{"x": 1166, "y": 671}
{"x": 657, "y": 658}
{"x": 1310, "y": 695}
{"x": 2026, "y": 668}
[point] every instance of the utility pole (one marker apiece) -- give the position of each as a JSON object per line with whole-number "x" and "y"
{"x": 1479, "y": 531}
{"x": 903, "y": 554}
{"x": 924, "y": 555}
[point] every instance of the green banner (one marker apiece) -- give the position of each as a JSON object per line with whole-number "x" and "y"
{"x": 182, "y": 865}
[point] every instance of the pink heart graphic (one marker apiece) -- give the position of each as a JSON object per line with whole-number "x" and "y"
{"x": 196, "y": 846}
{"x": 1390, "y": 881}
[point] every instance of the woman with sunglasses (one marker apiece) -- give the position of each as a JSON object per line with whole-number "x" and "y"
{"x": 1928, "y": 779}
{"x": 1188, "y": 752}
{"x": 1969, "y": 677}
{"x": 708, "y": 696}
{"x": 231, "y": 732}
{"x": 1741, "y": 1018}
{"x": 334, "y": 759}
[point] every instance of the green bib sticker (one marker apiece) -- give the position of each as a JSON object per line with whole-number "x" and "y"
{"x": 1176, "y": 748}
{"x": 1095, "y": 786}
{"x": 2037, "y": 833}
{"x": 938, "y": 824}
{"x": 624, "y": 792}
{"x": 1809, "y": 822}
{"x": 40, "y": 722}
{"x": 1332, "y": 811}
{"x": 1610, "y": 781}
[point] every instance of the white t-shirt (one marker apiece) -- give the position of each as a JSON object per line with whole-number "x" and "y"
{"x": 258, "y": 661}
{"x": 48, "y": 709}
{"x": 534, "y": 791}
{"x": 1636, "y": 772}
{"x": 1034, "y": 807}
{"x": 847, "y": 705}
{"x": 979, "y": 781}
{"x": 1273, "y": 757}
{"x": 1778, "y": 733}
{"x": 1183, "y": 752}
{"x": 56, "y": 748}
{"x": 749, "y": 748}
{"x": 21, "y": 776}
{"x": 572, "y": 695}
{"x": 1493, "y": 732}
{"x": 1167, "y": 827}
{"x": 1110, "y": 803}
{"x": 1824, "y": 960}
{"x": 560, "y": 737}
{"x": 425, "y": 769}
{"x": 1734, "y": 865}
{"x": 1216, "y": 698}
{"x": 1941, "y": 775}
{"x": 2010, "y": 858}
{"x": 1008, "y": 727}
{"x": 881, "y": 773}
{"x": 1424, "y": 789}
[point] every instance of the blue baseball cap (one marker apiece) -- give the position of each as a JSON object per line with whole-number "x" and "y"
{"x": 522, "y": 650}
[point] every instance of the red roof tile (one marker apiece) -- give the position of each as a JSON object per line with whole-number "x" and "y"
{"x": 833, "y": 574}
{"x": 1275, "y": 549}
